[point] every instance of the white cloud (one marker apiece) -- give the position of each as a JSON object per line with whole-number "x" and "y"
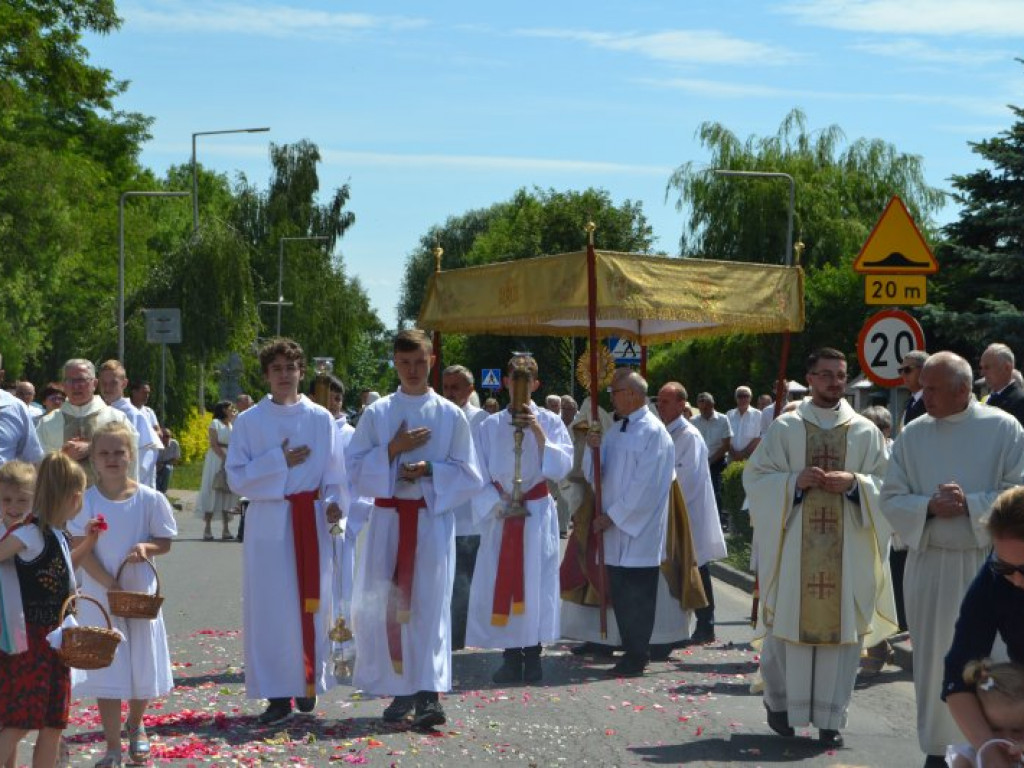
{"x": 266, "y": 20}
{"x": 916, "y": 51}
{"x": 981, "y": 18}
{"x": 699, "y": 46}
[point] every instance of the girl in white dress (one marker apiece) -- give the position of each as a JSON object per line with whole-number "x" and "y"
{"x": 141, "y": 525}
{"x": 215, "y": 498}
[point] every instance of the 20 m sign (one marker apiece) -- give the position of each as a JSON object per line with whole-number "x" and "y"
{"x": 884, "y": 341}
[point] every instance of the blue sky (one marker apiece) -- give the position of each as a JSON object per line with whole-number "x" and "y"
{"x": 431, "y": 109}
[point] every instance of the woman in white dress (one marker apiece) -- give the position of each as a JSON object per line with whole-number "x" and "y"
{"x": 214, "y": 496}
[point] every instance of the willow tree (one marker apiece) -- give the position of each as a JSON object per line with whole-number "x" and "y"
{"x": 841, "y": 189}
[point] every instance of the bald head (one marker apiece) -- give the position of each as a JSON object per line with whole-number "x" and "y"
{"x": 671, "y": 401}
{"x": 997, "y": 366}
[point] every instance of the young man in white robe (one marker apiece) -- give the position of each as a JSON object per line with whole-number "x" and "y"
{"x": 112, "y": 383}
{"x": 946, "y": 470}
{"x": 413, "y": 454}
{"x": 812, "y": 485}
{"x": 514, "y": 596}
{"x": 280, "y": 459}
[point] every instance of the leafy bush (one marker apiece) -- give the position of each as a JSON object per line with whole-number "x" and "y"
{"x": 740, "y": 530}
{"x": 194, "y": 436}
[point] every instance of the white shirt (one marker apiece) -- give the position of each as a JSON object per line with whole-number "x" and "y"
{"x": 745, "y": 427}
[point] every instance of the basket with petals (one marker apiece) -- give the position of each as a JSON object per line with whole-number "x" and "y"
{"x": 135, "y": 605}
{"x": 87, "y": 647}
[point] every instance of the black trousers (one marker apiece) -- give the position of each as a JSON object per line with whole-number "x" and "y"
{"x": 634, "y": 593}
{"x": 717, "y": 468}
{"x": 897, "y": 565}
{"x": 465, "y": 562}
{"x": 706, "y": 616}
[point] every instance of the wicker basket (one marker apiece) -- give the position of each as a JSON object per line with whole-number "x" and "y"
{"x": 135, "y": 605}
{"x": 87, "y": 647}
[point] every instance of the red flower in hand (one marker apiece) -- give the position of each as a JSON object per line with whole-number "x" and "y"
{"x": 101, "y": 523}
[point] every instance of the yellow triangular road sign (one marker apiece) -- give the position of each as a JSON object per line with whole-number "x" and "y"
{"x": 895, "y": 246}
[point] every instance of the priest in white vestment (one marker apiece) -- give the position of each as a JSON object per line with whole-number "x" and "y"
{"x": 280, "y": 458}
{"x": 946, "y": 470}
{"x": 69, "y": 429}
{"x": 812, "y": 485}
{"x": 413, "y": 453}
{"x": 514, "y": 596}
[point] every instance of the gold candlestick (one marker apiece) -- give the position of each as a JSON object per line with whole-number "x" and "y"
{"x": 519, "y": 393}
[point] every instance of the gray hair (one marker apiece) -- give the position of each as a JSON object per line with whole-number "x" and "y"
{"x": 706, "y": 397}
{"x": 1001, "y": 352}
{"x": 569, "y": 399}
{"x": 916, "y": 358}
{"x": 878, "y": 415}
{"x": 552, "y": 400}
{"x": 81, "y": 362}
{"x": 959, "y": 368}
{"x": 742, "y": 389}
{"x": 460, "y": 370}
{"x": 632, "y": 379}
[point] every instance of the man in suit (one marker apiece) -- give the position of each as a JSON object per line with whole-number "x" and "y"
{"x": 997, "y": 368}
{"x": 910, "y": 370}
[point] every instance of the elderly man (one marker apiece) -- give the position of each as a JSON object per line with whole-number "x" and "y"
{"x": 70, "y": 428}
{"x": 813, "y": 486}
{"x": 714, "y": 427}
{"x": 910, "y": 370}
{"x": 243, "y": 403}
{"x": 457, "y": 385}
{"x": 569, "y": 410}
{"x": 637, "y": 466}
{"x": 112, "y": 381}
{"x": 946, "y": 470}
{"x": 997, "y": 368}
{"x": 553, "y": 403}
{"x": 745, "y": 423}
{"x": 694, "y": 476}
{"x": 17, "y": 435}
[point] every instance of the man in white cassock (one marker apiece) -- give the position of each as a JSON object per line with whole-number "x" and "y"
{"x": 457, "y": 385}
{"x": 280, "y": 459}
{"x": 513, "y": 599}
{"x": 413, "y": 454}
{"x": 112, "y": 383}
{"x": 947, "y": 468}
{"x": 821, "y": 540}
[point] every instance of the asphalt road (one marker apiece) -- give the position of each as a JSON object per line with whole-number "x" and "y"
{"x": 695, "y": 709}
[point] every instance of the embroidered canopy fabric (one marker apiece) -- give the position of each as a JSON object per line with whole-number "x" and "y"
{"x": 649, "y": 299}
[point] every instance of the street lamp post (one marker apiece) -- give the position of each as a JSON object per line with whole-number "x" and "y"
{"x": 788, "y": 255}
{"x": 280, "y": 273}
{"x": 120, "y": 261}
{"x": 195, "y": 175}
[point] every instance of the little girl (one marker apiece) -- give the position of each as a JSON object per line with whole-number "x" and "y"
{"x": 1000, "y": 692}
{"x": 140, "y": 525}
{"x": 35, "y": 685}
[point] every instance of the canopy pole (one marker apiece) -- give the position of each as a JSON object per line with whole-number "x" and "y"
{"x": 595, "y": 419}
{"x": 435, "y": 371}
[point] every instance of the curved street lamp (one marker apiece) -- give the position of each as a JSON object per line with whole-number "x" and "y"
{"x": 195, "y": 175}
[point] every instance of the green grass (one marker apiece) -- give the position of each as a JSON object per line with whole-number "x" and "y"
{"x": 739, "y": 553}
{"x": 187, "y": 477}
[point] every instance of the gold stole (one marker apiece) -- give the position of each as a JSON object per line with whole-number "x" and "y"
{"x": 821, "y": 553}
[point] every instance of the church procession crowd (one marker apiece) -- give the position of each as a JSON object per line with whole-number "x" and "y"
{"x": 427, "y": 525}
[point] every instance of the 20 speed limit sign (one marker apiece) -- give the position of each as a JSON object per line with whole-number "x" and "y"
{"x": 884, "y": 341}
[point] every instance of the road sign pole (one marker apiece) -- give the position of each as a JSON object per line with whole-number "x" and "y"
{"x": 163, "y": 384}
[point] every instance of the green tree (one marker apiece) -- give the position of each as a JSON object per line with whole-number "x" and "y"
{"x": 841, "y": 190}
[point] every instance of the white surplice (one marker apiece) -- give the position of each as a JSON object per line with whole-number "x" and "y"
{"x": 694, "y": 476}
{"x": 149, "y": 444}
{"x": 790, "y": 668}
{"x": 271, "y": 618}
{"x": 982, "y": 449}
{"x": 426, "y": 638}
{"x": 495, "y": 444}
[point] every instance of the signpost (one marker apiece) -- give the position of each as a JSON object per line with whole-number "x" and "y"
{"x": 895, "y": 259}
{"x": 624, "y": 351}
{"x": 163, "y": 327}
{"x": 884, "y": 341}
{"x": 491, "y": 379}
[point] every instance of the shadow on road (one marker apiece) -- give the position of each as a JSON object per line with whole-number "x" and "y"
{"x": 740, "y": 748}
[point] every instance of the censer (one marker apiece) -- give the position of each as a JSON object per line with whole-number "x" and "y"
{"x": 339, "y": 633}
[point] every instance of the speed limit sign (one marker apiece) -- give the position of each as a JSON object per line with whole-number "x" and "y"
{"x": 884, "y": 341}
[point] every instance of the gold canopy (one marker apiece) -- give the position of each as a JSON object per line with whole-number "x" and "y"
{"x": 649, "y": 299}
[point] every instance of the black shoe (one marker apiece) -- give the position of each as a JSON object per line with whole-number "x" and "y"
{"x": 659, "y": 652}
{"x": 625, "y": 669}
{"x": 704, "y": 634}
{"x": 830, "y": 738}
{"x": 532, "y": 672}
{"x": 429, "y": 714}
{"x": 510, "y": 671}
{"x": 779, "y": 722}
{"x": 593, "y": 649}
{"x": 305, "y": 703}
{"x": 399, "y": 709}
{"x": 277, "y": 711}
{"x": 935, "y": 761}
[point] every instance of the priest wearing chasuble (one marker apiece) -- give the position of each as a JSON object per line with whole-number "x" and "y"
{"x": 813, "y": 486}
{"x": 413, "y": 454}
{"x": 514, "y": 596}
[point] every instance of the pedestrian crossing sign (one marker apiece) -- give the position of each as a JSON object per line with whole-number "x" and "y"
{"x": 491, "y": 378}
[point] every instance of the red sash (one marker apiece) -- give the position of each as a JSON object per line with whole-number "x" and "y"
{"x": 307, "y": 570}
{"x": 509, "y": 581}
{"x": 399, "y": 605}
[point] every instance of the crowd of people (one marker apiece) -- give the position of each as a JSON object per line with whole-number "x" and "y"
{"x": 448, "y": 520}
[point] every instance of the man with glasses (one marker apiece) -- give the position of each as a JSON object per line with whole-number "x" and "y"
{"x": 824, "y": 591}
{"x": 17, "y": 436}
{"x": 69, "y": 429}
{"x": 745, "y": 423}
{"x": 945, "y": 473}
{"x": 997, "y": 363}
{"x": 910, "y": 370}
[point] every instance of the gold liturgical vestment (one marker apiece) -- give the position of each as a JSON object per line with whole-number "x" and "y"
{"x": 821, "y": 556}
